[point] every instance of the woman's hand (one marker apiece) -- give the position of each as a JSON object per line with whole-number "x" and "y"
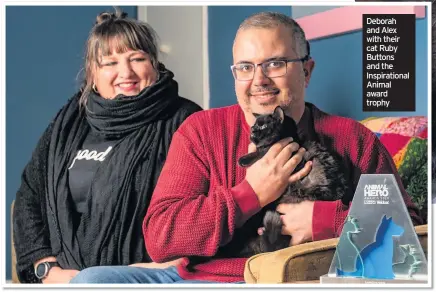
{"x": 57, "y": 275}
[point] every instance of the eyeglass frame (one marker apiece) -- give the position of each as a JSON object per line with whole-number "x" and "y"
{"x": 304, "y": 59}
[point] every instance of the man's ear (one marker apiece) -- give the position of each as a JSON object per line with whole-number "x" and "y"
{"x": 309, "y": 65}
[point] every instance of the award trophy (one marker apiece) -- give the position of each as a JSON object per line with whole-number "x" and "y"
{"x": 378, "y": 243}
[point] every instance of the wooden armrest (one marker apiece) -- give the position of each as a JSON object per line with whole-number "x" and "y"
{"x": 13, "y": 255}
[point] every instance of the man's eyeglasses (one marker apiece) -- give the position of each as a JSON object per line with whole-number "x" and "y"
{"x": 271, "y": 69}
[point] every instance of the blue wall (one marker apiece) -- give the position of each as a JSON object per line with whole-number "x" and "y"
{"x": 336, "y": 85}
{"x": 44, "y": 54}
{"x": 223, "y": 23}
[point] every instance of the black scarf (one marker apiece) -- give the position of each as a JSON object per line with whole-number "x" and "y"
{"x": 110, "y": 232}
{"x": 123, "y": 115}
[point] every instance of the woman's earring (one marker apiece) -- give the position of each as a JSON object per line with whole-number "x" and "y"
{"x": 94, "y": 88}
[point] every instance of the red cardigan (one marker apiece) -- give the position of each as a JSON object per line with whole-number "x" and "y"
{"x": 201, "y": 197}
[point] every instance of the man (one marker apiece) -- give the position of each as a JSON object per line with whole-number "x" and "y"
{"x": 203, "y": 198}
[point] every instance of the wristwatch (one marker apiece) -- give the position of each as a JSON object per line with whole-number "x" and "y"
{"x": 42, "y": 269}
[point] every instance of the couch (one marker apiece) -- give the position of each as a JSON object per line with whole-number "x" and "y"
{"x": 406, "y": 140}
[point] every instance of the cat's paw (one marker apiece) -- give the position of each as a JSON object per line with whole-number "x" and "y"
{"x": 273, "y": 226}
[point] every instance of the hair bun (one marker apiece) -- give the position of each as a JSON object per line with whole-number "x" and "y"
{"x": 105, "y": 16}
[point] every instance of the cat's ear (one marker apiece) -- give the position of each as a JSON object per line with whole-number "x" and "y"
{"x": 405, "y": 248}
{"x": 278, "y": 112}
{"x": 248, "y": 159}
{"x": 256, "y": 115}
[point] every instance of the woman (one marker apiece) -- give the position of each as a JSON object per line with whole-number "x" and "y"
{"x": 86, "y": 189}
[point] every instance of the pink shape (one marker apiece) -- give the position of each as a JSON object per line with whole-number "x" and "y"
{"x": 394, "y": 142}
{"x": 423, "y": 134}
{"x": 347, "y": 19}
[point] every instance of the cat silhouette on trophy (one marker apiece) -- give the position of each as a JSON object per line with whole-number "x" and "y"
{"x": 411, "y": 262}
{"x": 348, "y": 252}
{"x": 375, "y": 260}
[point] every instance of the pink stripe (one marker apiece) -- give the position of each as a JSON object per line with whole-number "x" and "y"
{"x": 347, "y": 19}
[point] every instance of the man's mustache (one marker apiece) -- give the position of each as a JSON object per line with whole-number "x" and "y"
{"x": 262, "y": 89}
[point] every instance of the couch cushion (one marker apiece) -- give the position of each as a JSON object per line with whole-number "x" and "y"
{"x": 415, "y": 126}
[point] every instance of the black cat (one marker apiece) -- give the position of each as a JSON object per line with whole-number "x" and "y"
{"x": 326, "y": 180}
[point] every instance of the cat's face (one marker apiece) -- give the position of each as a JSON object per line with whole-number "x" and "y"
{"x": 266, "y": 129}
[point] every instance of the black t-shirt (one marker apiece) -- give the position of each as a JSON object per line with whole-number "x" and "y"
{"x": 86, "y": 162}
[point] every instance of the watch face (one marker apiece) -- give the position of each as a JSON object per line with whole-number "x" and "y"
{"x": 41, "y": 270}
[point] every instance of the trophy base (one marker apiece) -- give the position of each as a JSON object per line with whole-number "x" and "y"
{"x": 349, "y": 280}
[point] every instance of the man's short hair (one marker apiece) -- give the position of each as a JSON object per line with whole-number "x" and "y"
{"x": 275, "y": 19}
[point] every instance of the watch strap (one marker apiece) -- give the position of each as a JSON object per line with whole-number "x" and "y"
{"x": 52, "y": 264}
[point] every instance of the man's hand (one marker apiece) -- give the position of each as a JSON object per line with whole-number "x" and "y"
{"x": 57, "y": 275}
{"x": 297, "y": 221}
{"x": 270, "y": 175}
{"x": 157, "y": 265}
